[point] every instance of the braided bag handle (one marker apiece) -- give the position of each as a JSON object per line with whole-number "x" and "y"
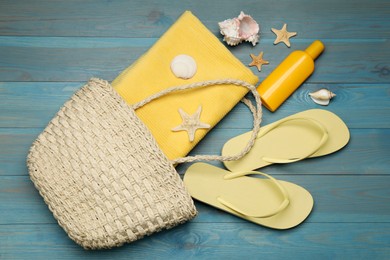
{"x": 256, "y": 111}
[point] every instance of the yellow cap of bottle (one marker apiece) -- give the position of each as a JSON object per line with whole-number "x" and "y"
{"x": 315, "y": 49}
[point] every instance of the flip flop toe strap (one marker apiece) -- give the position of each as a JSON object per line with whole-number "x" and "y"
{"x": 314, "y": 149}
{"x": 277, "y": 185}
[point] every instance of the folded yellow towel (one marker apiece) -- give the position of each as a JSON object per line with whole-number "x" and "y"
{"x": 151, "y": 73}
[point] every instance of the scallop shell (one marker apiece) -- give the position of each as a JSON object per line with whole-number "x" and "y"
{"x": 238, "y": 29}
{"x": 322, "y": 96}
{"x": 183, "y": 66}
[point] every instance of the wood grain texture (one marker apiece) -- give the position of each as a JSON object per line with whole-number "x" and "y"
{"x": 50, "y": 48}
{"x": 139, "y": 19}
{"x": 75, "y": 59}
{"x": 368, "y": 146}
{"x": 33, "y": 104}
{"x": 198, "y": 240}
{"x": 349, "y": 199}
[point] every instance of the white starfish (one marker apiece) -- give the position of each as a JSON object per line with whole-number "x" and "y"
{"x": 191, "y": 123}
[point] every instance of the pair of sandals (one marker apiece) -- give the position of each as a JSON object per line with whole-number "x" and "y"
{"x": 266, "y": 201}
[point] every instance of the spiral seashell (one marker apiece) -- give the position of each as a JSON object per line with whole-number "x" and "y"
{"x": 249, "y": 28}
{"x": 229, "y": 29}
{"x": 238, "y": 29}
{"x": 183, "y": 66}
{"x": 322, "y": 96}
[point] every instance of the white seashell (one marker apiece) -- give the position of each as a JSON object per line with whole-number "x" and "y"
{"x": 249, "y": 28}
{"x": 322, "y": 96}
{"x": 229, "y": 28}
{"x": 183, "y": 66}
{"x": 241, "y": 28}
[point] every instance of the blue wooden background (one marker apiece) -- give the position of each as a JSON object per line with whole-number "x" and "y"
{"x": 49, "y": 48}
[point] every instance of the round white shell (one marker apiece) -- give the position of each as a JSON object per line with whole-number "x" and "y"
{"x": 183, "y": 66}
{"x": 322, "y": 96}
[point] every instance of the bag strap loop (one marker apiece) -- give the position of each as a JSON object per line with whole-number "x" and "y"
{"x": 256, "y": 111}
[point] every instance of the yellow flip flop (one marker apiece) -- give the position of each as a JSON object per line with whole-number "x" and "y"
{"x": 265, "y": 201}
{"x": 307, "y": 134}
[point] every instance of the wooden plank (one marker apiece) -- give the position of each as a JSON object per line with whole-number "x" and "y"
{"x": 369, "y": 146}
{"x": 73, "y": 61}
{"x": 370, "y": 103}
{"x": 343, "y": 19}
{"x": 78, "y": 59}
{"x": 14, "y": 146}
{"x": 338, "y": 198}
{"x": 198, "y": 240}
{"x": 33, "y": 104}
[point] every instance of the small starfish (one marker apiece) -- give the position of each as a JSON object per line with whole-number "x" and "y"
{"x": 283, "y": 35}
{"x": 258, "y": 61}
{"x": 191, "y": 123}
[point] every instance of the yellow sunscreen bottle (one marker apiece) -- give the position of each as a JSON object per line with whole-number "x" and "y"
{"x": 289, "y": 75}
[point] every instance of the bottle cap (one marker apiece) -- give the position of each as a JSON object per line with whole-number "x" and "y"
{"x": 315, "y": 49}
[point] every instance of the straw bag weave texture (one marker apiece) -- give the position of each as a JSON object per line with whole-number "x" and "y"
{"x": 102, "y": 174}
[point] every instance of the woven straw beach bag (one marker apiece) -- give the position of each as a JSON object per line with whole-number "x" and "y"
{"x": 102, "y": 174}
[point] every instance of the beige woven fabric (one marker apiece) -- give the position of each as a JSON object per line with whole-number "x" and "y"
{"x": 102, "y": 174}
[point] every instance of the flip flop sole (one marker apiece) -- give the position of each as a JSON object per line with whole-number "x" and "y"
{"x": 289, "y": 140}
{"x": 206, "y": 183}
